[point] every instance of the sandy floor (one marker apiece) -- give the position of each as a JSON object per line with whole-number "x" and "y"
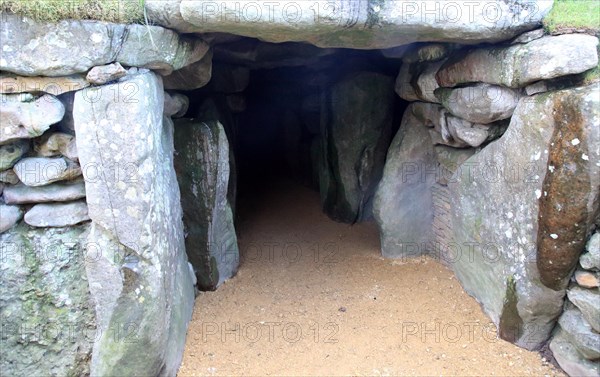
{"x": 314, "y": 297}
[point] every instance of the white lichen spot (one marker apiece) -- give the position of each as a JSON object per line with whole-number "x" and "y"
{"x": 96, "y": 37}
{"x": 585, "y": 157}
{"x": 121, "y": 185}
{"x": 131, "y": 193}
{"x": 554, "y": 236}
{"x": 551, "y": 168}
{"x": 537, "y": 156}
{"x": 508, "y": 233}
{"x": 538, "y": 193}
{"x": 509, "y": 215}
{"x": 575, "y": 141}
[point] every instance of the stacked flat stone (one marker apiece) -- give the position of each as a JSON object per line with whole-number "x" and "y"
{"x": 576, "y": 343}
{"x": 39, "y": 167}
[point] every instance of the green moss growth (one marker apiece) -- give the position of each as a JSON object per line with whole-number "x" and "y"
{"x": 573, "y": 15}
{"x": 119, "y": 11}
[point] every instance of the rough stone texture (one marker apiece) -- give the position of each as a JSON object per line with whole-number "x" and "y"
{"x": 57, "y": 49}
{"x": 40, "y": 171}
{"x": 56, "y": 192}
{"x": 570, "y": 360}
{"x": 450, "y": 160}
{"x": 140, "y": 281}
{"x": 47, "y": 319}
{"x": 359, "y": 134}
{"x": 105, "y": 73}
{"x": 350, "y": 23}
{"x": 404, "y": 87}
{"x": 529, "y": 36}
{"x": 176, "y": 105}
{"x": 10, "y": 83}
{"x": 569, "y": 201}
{"x": 519, "y": 65}
{"x": 11, "y": 153}
{"x": 9, "y": 176}
{"x": 591, "y": 259}
{"x": 588, "y": 301}
{"x": 481, "y": 103}
{"x": 22, "y": 116}
{"x": 579, "y": 333}
{"x": 419, "y": 53}
{"x": 56, "y": 215}
{"x": 403, "y": 202}
{"x": 587, "y": 279}
{"x": 202, "y": 165}
{"x": 510, "y": 249}
{"x": 236, "y": 103}
{"x": 56, "y": 144}
{"x": 230, "y": 78}
{"x": 255, "y": 54}
{"x": 193, "y": 76}
{"x": 9, "y": 216}
{"x": 446, "y": 129}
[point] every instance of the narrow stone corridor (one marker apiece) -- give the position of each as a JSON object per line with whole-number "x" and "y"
{"x": 314, "y": 297}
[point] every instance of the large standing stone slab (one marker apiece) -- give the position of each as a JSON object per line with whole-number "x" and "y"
{"x": 520, "y": 220}
{"x": 140, "y": 280}
{"x": 358, "y": 135}
{"x": 403, "y": 205}
{"x": 351, "y": 23}
{"x": 22, "y": 116}
{"x": 48, "y": 325}
{"x": 519, "y": 65}
{"x": 33, "y": 48}
{"x": 202, "y": 165}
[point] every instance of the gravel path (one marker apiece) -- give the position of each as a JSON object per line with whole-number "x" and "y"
{"x": 314, "y": 297}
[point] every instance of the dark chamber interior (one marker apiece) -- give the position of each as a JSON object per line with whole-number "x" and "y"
{"x": 274, "y": 104}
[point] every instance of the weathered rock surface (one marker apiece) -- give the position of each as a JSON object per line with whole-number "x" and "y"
{"x": 56, "y": 192}
{"x": 588, "y": 301}
{"x": 48, "y": 323}
{"x": 591, "y": 259}
{"x": 30, "y": 48}
{"x": 140, "y": 281}
{"x": 22, "y": 116}
{"x": 529, "y": 36}
{"x": 9, "y": 176}
{"x": 255, "y": 54}
{"x": 40, "y": 171}
{"x": 403, "y": 202}
{"x": 517, "y": 256}
{"x": 570, "y": 360}
{"x": 102, "y": 74}
{"x": 10, "y": 83}
{"x": 579, "y": 333}
{"x": 359, "y": 135}
{"x": 176, "y": 105}
{"x": 56, "y": 215}
{"x": 481, "y": 103}
{"x": 193, "y": 76}
{"x": 11, "y": 153}
{"x": 519, "y": 65}
{"x": 9, "y": 216}
{"x": 354, "y": 24}
{"x": 202, "y": 165}
{"x": 56, "y": 144}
